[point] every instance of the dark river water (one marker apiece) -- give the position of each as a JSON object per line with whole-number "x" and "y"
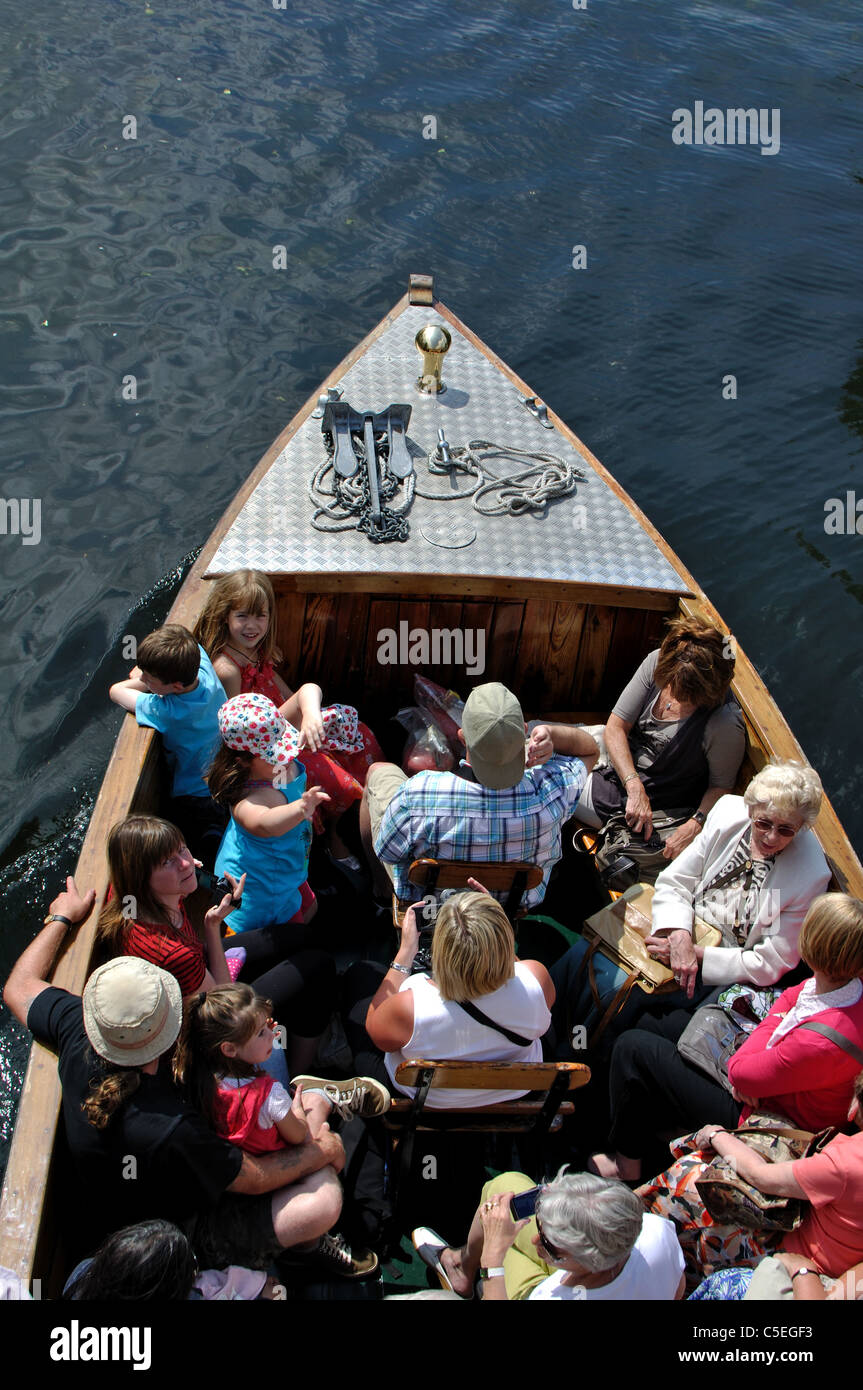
{"x": 483, "y": 143}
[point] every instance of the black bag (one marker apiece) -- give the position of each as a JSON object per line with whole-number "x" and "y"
{"x": 624, "y": 857}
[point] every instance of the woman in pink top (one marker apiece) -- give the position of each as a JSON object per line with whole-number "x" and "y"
{"x": 791, "y": 1066}
{"x": 785, "y": 1065}
{"x": 829, "y": 1239}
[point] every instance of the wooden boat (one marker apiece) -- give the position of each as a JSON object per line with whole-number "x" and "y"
{"x": 569, "y": 602}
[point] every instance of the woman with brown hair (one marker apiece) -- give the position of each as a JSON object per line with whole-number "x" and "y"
{"x": 675, "y": 738}
{"x": 152, "y": 873}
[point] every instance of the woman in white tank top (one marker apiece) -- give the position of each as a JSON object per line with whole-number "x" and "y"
{"x": 473, "y": 961}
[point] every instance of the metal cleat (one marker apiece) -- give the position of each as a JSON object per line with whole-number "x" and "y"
{"x": 538, "y": 409}
{"x": 332, "y": 393}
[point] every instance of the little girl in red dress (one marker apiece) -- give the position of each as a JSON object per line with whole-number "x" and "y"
{"x": 237, "y": 630}
{"x": 226, "y": 1040}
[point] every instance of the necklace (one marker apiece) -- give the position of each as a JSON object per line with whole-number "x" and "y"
{"x": 684, "y": 708}
{"x": 250, "y": 658}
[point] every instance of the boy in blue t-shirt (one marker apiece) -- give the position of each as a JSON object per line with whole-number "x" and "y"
{"x": 175, "y": 690}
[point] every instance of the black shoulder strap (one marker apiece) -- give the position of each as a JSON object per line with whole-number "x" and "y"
{"x": 835, "y": 1037}
{"x": 477, "y": 1014}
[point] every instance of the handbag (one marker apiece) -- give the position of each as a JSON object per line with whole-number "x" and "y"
{"x": 615, "y": 937}
{"x": 623, "y": 856}
{"x": 713, "y": 1035}
{"x": 732, "y": 1201}
{"x": 709, "y": 1040}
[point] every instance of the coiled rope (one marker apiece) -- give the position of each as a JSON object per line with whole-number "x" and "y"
{"x": 542, "y": 478}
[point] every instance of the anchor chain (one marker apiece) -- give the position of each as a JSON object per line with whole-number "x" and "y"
{"x": 351, "y": 509}
{"x": 529, "y": 489}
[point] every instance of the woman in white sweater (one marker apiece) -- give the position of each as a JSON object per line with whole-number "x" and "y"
{"x": 752, "y": 872}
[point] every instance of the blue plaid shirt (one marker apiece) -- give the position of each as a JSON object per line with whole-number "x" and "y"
{"x": 450, "y": 817}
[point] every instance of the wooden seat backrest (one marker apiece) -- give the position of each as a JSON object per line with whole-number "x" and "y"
{"x": 454, "y": 873}
{"x": 480, "y": 1076}
{"x": 438, "y": 875}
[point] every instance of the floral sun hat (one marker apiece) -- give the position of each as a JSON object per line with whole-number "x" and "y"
{"x": 340, "y": 729}
{"x": 251, "y": 724}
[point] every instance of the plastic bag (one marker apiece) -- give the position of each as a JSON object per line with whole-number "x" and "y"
{"x": 426, "y": 748}
{"x": 446, "y": 709}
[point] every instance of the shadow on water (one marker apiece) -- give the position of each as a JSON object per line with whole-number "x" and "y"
{"x": 851, "y": 413}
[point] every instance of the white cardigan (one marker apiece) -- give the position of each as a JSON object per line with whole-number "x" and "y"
{"x": 799, "y": 873}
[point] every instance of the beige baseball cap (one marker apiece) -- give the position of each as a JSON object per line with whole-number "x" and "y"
{"x": 493, "y": 728}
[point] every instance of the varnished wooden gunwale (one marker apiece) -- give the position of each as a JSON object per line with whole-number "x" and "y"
{"x": 124, "y": 789}
{"x": 131, "y": 779}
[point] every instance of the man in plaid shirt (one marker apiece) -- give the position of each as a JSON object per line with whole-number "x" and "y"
{"x": 510, "y": 804}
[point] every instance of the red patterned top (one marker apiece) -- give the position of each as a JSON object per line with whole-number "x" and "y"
{"x": 175, "y": 949}
{"x": 258, "y": 679}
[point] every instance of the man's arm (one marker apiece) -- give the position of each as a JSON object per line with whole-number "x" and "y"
{"x": 268, "y": 1172}
{"x": 30, "y": 971}
{"x": 566, "y": 739}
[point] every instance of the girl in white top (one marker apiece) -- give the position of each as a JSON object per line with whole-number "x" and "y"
{"x": 473, "y": 960}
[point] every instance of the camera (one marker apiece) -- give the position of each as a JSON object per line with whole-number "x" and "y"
{"x": 217, "y": 887}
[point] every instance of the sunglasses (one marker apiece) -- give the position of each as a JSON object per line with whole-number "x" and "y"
{"x": 787, "y": 832}
{"x": 546, "y": 1244}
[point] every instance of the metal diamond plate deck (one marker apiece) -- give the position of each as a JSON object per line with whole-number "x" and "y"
{"x": 588, "y": 537}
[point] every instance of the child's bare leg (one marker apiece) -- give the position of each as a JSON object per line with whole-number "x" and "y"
{"x": 306, "y": 1209}
{"x": 317, "y": 1111}
{"x": 333, "y": 840}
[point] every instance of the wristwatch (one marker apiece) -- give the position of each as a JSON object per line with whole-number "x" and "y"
{"x": 496, "y": 1272}
{"x": 698, "y": 816}
{"x": 804, "y": 1269}
{"x": 58, "y": 917}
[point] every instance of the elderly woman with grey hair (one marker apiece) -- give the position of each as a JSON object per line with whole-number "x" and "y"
{"x": 590, "y": 1239}
{"x": 752, "y": 872}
